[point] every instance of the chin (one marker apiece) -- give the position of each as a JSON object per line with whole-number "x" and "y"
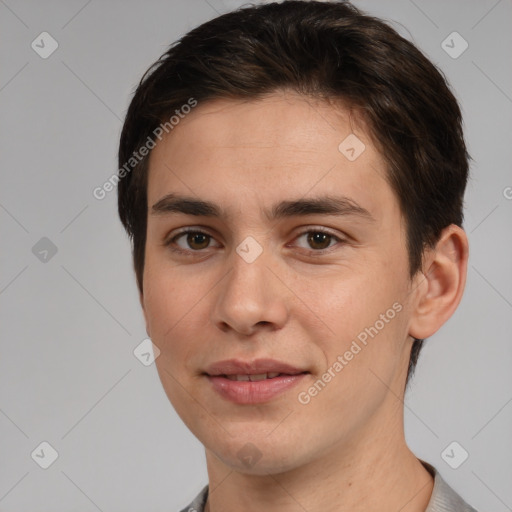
{"x": 266, "y": 465}
{"x": 254, "y": 455}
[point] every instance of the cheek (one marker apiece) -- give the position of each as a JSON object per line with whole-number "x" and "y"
{"x": 347, "y": 301}
{"x": 176, "y": 319}
{"x": 363, "y": 322}
{"x": 172, "y": 304}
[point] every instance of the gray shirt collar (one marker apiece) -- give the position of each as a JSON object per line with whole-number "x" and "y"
{"x": 443, "y": 499}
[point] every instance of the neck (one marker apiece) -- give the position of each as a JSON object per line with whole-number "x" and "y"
{"x": 377, "y": 472}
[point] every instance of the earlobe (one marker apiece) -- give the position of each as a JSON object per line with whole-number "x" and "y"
{"x": 443, "y": 282}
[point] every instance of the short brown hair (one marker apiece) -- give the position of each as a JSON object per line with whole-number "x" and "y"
{"x": 323, "y": 50}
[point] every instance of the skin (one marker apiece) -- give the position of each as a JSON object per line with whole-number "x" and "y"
{"x": 345, "y": 450}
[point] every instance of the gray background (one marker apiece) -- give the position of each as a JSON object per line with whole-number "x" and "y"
{"x": 69, "y": 325}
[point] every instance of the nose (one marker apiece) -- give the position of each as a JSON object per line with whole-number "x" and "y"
{"x": 250, "y": 298}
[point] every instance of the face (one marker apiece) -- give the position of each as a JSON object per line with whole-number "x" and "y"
{"x": 272, "y": 247}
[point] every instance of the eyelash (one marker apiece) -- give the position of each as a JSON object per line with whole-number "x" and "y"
{"x": 168, "y": 243}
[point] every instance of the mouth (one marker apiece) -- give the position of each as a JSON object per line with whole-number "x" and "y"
{"x": 259, "y": 381}
{"x": 270, "y": 368}
{"x": 251, "y": 386}
{"x": 256, "y": 377}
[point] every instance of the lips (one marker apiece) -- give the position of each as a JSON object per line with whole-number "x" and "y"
{"x": 255, "y": 377}
{"x": 257, "y": 367}
{"x": 253, "y": 382}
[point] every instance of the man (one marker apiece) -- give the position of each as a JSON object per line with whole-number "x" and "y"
{"x": 292, "y": 177}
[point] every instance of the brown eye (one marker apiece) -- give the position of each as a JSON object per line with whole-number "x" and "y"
{"x": 190, "y": 241}
{"x": 319, "y": 240}
{"x": 198, "y": 241}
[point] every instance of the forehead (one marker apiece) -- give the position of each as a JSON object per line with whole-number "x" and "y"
{"x": 248, "y": 153}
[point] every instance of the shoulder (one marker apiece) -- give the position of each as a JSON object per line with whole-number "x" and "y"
{"x": 444, "y": 498}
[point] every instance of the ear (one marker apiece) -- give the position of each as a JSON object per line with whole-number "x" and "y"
{"x": 439, "y": 287}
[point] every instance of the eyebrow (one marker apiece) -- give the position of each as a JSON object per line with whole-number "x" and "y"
{"x": 324, "y": 205}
